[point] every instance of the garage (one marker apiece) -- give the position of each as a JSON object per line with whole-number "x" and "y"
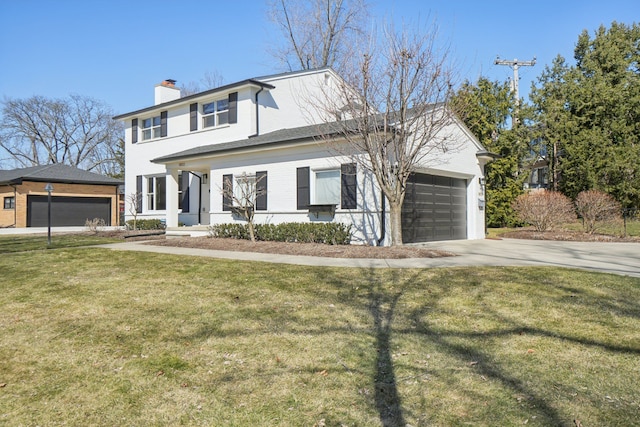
{"x": 434, "y": 208}
{"x": 67, "y": 211}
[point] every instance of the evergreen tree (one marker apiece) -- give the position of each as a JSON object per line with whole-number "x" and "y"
{"x": 590, "y": 114}
{"x": 486, "y": 108}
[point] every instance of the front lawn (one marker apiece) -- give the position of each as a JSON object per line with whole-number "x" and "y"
{"x": 35, "y": 242}
{"x": 99, "y": 337}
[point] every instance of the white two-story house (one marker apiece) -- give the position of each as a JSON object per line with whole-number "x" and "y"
{"x": 181, "y": 151}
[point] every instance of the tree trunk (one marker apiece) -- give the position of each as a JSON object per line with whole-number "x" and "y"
{"x": 395, "y": 219}
{"x": 252, "y": 233}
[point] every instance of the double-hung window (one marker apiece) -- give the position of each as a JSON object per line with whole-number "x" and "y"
{"x": 151, "y": 128}
{"x": 10, "y": 202}
{"x": 327, "y": 187}
{"x": 215, "y": 113}
{"x": 156, "y": 193}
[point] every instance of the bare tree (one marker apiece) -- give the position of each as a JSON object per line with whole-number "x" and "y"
{"x": 210, "y": 80}
{"x": 76, "y": 131}
{"x": 393, "y": 105}
{"x": 240, "y": 195}
{"x": 134, "y": 201}
{"x": 318, "y": 33}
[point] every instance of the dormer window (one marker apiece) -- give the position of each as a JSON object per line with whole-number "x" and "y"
{"x": 151, "y": 128}
{"x": 215, "y": 113}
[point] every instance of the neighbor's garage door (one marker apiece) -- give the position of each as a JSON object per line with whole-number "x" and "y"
{"x": 67, "y": 211}
{"x": 435, "y": 208}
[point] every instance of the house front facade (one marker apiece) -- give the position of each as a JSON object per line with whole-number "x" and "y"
{"x": 183, "y": 152}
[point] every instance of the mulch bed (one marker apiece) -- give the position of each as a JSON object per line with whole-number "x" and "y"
{"x": 344, "y": 251}
{"x": 308, "y": 249}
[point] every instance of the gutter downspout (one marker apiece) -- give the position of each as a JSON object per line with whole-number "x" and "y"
{"x": 257, "y": 114}
{"x": 383, "y": 219}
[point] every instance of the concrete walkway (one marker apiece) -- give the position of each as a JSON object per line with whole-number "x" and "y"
{"x": 616, "y": 258}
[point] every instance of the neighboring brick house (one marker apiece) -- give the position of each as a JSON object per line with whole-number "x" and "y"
{"x": 181, "y": 152}
{"x": 77, "y": 195}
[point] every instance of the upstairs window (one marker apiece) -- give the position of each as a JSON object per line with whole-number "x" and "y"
{"x": 151, "y": 128}
{"x": 215, "y": 113}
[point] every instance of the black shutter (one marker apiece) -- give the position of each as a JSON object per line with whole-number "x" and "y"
{"x": 163, "y": 123}
{"x": 193, "y": 116}
{"x": 139, "y": 194}
{"x": 134, "y": 131}
{"x": 184, "y": 203}
{"x": 302, "y": 185}
{"x": 261, "y": 190}
{"x": 349, "y": 186}
{"x": 233, "y": 107}
{"x": 227, "y": 189}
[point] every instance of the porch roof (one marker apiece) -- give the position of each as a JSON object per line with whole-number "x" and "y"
{"x": 281, "y": 136}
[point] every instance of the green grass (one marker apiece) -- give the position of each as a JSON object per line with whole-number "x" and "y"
{"x": 35, "y": 242}
{"x": 94, "y": 337}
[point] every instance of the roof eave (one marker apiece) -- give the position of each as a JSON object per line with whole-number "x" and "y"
{"x": 247, "y": 82}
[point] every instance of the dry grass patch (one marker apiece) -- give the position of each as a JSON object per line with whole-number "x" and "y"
{"x": 95, "y": 337}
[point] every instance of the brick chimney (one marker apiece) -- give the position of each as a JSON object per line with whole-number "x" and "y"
{"x": 166, "y": 92}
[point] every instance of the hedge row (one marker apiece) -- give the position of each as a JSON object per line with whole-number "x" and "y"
{"x": 328, "y": 233}
{"x": 146, "y": 224}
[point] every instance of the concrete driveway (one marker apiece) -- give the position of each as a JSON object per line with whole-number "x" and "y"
{"x": 616, "y": 258}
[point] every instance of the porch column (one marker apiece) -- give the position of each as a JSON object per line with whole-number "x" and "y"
{"x": 172, "y": 197}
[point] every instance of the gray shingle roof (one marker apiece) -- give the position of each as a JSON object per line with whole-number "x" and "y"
{"x": 282, "y": 136}
{"x": 55, "y": 173}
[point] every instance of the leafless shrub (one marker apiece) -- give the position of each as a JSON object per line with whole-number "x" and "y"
{"x": 544, "y": 209}
{"x": 94, "y": 225}
{"x": 134, "y": 201}
{"x": 596, "y": 207}
{"x": 240, "y": 194}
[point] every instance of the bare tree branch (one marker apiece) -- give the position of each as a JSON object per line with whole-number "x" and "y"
{"x": 242, "y": 192}
{"x": 318, "y": 33}
{"x": 394, "y": 107}
{"x": 77, "y": 131}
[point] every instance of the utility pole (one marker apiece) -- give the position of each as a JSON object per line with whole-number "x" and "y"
{"x": 515, "y": 64}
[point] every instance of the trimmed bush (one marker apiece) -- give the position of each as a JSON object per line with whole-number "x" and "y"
{"x": 327, "y": 233}
{"x": 145, "y": 224}
{"x": 544, "y": 210}
{"x": 596, "y": 207}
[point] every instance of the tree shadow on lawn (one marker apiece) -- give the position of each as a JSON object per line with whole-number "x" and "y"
{"x": 382, "y": 302}
{"x": 384, "y": 295}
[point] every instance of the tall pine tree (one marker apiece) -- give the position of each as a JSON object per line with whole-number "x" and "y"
{"x": 590, "y": 114}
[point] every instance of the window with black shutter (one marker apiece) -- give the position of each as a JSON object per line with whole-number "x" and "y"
{"x": 193, "y": 116}
{"x": 233, "y": 107}
{"x": 227, "y": 192}
{"x": 139, "y": 194}
{"x": 348, "y": 186}
{"x": 302, "y": 188}
{"x": 261, "y": 191}
{"x": 134, "y": 131}
{"x": 163, "y": 124}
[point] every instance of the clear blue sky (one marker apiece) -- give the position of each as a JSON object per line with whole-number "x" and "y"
{"x": 117, "y": 51}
